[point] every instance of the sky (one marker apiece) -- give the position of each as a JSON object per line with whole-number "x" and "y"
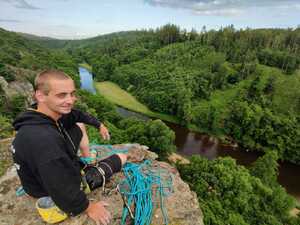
{"x": 76, "y": 19}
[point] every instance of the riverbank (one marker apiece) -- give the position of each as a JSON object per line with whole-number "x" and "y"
{"x": 112, "y": 92}
{"x": 120, "y": 97}
{"x": 86, "y": 66}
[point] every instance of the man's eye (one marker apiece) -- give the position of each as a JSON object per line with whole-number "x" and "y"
{"x": 62, "y": 95}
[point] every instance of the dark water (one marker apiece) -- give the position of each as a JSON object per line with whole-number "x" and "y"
{"x": 192, "y": 143}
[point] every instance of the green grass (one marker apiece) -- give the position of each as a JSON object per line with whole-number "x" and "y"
{"x": 287, "y": 93}
{"x": 120, "y": 97}
{"x": 86, "y": 66}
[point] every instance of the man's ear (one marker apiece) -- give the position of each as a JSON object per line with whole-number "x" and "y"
{"x": 39, "y": 96}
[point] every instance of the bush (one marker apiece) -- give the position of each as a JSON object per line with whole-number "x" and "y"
{"x": 153, "y": 133}
{"x": 16, "y": 105}
{"x": 7, "y": 73}
{"x": 228, "y": 194}
{"x": 6, "y": 129}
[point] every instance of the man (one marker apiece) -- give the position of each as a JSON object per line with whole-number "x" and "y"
{"x": 46, "y": 144}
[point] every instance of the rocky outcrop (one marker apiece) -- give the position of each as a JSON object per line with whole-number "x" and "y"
{"x": 182, "y": 205}
{"x": 14, "y": 88}
{"x": 20, "y": 85}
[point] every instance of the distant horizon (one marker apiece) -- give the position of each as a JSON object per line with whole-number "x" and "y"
{"x": 73, "y": 20}
{"x": 142, "y": 29}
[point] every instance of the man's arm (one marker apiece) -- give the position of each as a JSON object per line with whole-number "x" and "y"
{"x": 98, "y": 213}
{"x": 77, "y": 116}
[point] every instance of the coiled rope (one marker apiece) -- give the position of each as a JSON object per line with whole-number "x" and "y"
{"x": 142, "y": 187}
{"x": 139, "y": 189}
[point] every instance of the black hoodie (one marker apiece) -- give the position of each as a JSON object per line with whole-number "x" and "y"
{"x": 46, "y": 158}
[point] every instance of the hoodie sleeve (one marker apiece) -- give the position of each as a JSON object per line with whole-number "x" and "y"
{"x": 62, "y": 182}
{"x": 78, "y": 116}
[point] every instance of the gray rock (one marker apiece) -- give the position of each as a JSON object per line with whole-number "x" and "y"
{"x": 24, "y": 88}
{"x": 181, "y": 205}
{"x": 21, "y": 87}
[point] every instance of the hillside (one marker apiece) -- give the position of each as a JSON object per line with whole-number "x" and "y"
{"x": 22, "y": 52}
{"x": 242, "y": 85}
{"x": 47, "y": 42}
{"x": 200, "y": 78}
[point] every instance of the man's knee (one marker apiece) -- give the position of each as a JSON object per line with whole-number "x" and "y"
{"x": 123, "y": 157}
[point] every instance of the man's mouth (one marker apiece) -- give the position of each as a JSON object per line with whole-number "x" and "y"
{"x": 67, "y": 107}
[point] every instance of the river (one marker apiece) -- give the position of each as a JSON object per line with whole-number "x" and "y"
{"x": 191, "y": 143}
{"x": 86, "y": 80}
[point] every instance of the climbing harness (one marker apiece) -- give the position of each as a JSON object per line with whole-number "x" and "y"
{"x": 93, "y": 176}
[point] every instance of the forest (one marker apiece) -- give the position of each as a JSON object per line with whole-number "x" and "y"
{"x": 242, "y": 86}
{"x": 236, "y": 84}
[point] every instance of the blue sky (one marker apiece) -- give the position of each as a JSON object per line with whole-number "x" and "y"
{"x": 80, "y": 19}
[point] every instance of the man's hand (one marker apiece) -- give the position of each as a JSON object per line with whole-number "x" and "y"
{"x": 104, "y": 132}
{"x": 97, "y": 212}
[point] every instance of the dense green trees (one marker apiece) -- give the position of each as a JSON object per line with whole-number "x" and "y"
{"x": 282, "y": 59}
{"x": 228, "y": 194}
{"x": 213, "y": 79}
{"x": 274, "y": 47}
{"x": 186, "y": 70}
{"x": 21, "y": 52}
{"x": 6, "y": 73}
{"x": 169, "y": 34}
{"x": 266, "y": 168}
{"x": 153, "y": 133}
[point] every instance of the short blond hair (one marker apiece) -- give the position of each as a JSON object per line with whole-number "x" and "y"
{"x": 41, "y": 81}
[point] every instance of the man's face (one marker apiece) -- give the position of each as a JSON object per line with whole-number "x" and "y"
{"x": 61, "y": 96}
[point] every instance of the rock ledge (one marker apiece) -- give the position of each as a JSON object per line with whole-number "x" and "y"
{"x": 182, "y": 205}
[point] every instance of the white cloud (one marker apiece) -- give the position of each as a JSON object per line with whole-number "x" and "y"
{"x": 224, "y": 7}
{"x": 22, "y": 4}
{"x": 221, "y": 12}
{"x": 9, "y": 21}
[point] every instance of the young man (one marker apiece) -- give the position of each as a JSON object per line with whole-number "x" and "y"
{"x": 46, "y": 144}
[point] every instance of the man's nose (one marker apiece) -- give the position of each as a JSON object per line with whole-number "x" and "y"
{"x": 70, "y": 99}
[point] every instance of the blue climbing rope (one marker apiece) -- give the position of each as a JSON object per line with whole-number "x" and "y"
{"x": 101, "y": 151}
{"x": 139, "y": 188}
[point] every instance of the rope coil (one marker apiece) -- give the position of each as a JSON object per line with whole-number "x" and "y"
{"x": 143, "y": 188}
{"x": 139, "y": 189}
